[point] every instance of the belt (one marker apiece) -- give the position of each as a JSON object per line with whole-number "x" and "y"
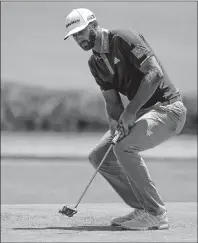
{"x": 168, "y": 102}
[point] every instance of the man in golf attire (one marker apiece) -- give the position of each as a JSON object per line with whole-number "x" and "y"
{"x": 122, "y": 62}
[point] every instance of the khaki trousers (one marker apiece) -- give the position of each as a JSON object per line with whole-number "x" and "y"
{"x": 152, "y": 127}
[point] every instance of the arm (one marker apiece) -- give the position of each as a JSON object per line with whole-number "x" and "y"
{"x": 113, "y": 103}
{"x": 139, "y": 54}
{"x": 153, "y": 75}
{"x": 114, "y": 107}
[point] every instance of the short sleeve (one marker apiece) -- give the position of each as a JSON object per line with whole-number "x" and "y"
{"x": 134, "y": 48}
{"x": 103, "y": 85}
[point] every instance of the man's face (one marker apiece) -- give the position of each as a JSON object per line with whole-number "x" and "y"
{"x": 85, "y": 38}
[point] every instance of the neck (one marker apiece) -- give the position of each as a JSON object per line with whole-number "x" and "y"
{"x": 98, "y": 42}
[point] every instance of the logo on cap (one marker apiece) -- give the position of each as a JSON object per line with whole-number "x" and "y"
{"x": 90, "y": 17}
{"x": 73, "y": 22}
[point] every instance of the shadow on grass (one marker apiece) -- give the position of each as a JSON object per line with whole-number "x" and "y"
{"x": 76, "y": 228}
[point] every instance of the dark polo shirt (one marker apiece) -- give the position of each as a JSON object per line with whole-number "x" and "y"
{"x": 117, "y": 66}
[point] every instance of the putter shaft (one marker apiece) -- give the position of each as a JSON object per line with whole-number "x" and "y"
{"x": 110, "y": 147}
{"x": 113, "y": 142}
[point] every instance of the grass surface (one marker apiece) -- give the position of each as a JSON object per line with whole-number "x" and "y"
{"x": 62, "y": 145}
{"x": 42, "y": 223}
{"x": 32, "y": 192}
{"x": 54, "y": 181}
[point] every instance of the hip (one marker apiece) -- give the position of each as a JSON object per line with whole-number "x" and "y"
{"x": 173, "y": 113}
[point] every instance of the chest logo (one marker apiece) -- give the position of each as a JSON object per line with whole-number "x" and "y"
{"x": 116, "y": 60}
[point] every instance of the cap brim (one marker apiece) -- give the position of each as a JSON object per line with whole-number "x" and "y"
{"x": 76, "y": 30}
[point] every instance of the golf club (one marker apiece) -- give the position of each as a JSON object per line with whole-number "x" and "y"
{"x": 69, "y": 211}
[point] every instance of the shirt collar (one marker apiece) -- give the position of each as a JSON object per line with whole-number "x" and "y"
{"x": 102, "y": 42}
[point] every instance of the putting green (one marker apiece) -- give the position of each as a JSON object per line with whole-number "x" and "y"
{"x": 56, "y": 182}
{"x": 42, "y": 223}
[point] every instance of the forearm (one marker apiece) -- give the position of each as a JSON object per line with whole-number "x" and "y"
{"x": 114, "y": 111}
{"x": 113, "y": 104}
{"x": 145, "y": 91}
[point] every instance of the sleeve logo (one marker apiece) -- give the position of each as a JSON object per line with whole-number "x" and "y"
{"x": 139, "y": 51}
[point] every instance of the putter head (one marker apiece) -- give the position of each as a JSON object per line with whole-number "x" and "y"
{"x": 68, "y": 211}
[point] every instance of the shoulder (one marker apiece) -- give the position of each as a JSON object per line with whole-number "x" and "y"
{"x": 92, "y": 65}
{"x": 90, "y": 60}
{"x": 126, "y": 36}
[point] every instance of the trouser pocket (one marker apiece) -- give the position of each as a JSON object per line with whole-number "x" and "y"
{"x": 177, "y": 113}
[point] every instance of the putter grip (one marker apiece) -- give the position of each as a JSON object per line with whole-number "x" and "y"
{"x": 116, "y": 137}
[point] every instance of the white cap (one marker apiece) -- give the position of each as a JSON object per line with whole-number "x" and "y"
{"x": 77, "y": 20}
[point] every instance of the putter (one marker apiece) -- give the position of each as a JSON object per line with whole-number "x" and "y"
{"x": 69, "y": 211}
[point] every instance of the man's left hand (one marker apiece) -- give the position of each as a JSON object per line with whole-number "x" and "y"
{"x": 126, "y": 121}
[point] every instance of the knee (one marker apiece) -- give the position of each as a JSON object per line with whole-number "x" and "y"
{"x": 93, "y": 158}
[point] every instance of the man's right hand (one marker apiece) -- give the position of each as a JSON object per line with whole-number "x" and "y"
{"x": 114, "y": 126}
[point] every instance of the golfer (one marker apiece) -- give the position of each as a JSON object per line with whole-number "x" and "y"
{"x": 122, "y": 62}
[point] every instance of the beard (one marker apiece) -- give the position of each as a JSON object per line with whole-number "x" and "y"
{"x": 87, "y": 45}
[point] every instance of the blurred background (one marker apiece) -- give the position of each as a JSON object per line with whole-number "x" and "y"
{"x": 46, "y": 82}
{"x": 50, "y": 103}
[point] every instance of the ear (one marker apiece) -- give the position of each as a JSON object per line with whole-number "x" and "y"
{"x": 92, "y": 25}
{"x": 89, "y": 26}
